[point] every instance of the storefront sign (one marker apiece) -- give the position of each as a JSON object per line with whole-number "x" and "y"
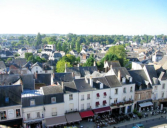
{"x": 10, "y": 114}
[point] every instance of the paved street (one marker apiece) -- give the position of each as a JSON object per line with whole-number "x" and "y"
{"x": 148, "y": 122}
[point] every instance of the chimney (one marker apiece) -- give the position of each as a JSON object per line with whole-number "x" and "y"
{"x": 52, "y": 78}
{"x": 94, "y": 64}
{"x": 140, "y": 88}
{"x": 62, "y": 85}
{"x": 130, "y": 79}
{"x": 119, "y": 75}
{"x": 73, "y": 75}
{"x": 65, "y": 67}
{"x": 91, "y": 81}
{"x": 78, "y": 65}
{"x": 111, "y": 66}
{"x": 36, "y": 75}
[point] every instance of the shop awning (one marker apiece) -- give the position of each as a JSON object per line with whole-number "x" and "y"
{"x": 145, "y": 104}
{"x": 73, "y": 117}
{"x": 55, "y": 121}
{"x": 98, "y": 95}
{"x": 101, "y": 110}
{"x": 86, "y": 114}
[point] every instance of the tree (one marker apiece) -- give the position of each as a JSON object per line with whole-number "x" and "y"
{"x": 120, "y": 52}
{"x": 60, "y": 66}
{"x": 27, "y": 55}
{"x": 39, "y": 39}
{"x": 89, "y": 61}
{"x": 9, "y": 60}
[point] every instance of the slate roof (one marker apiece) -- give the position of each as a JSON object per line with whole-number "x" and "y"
{"x": 8, "y": 79}
{"x": 2, "y": 65}
{"x": 81, "y": 71}
{"x": 113, "y": 81}
{"x": 163, "y": 62}
{"x": 82, "y": 86}
{"x": 28, "y": 81}
{"x": 75, "y": 70}
{"x": 43, "y": 78}
{"x": 57, "y": 55}
{"x": 114, "y": 64}
{"x": 151, "y": 72}
{"x": 27, "y": 65}
{"x": 52, "y": 89}
{"x": 139, "y": 78}
{"x": 70, "y": 87}
{"x": 103, "y": 80}
{"x": 38, "y": 101}
{"x": 13, "y": 92}
{"x": 20, "y": 61}
{"x": 123, "y": 70}
{"x": 62, "y": 77}
{"x": 59, "y": 98}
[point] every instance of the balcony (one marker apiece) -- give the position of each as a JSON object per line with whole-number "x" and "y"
{"x": 54, "y": 113}
{"x": 72, "y": 110}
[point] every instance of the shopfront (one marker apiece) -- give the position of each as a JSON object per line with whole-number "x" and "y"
{"x": 55, "y": 121}
{"x": 34, "y": 123}
{"x": 144, "y": 105}
{"x": 17, "y": 123}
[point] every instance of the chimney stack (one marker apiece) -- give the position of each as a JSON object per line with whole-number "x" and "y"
{"x": 111, "y": 66}
{"x": 119, "y": 75}
{"x": 78, "y": 65}
{"x": 62, "y": 85}
{"x": 94, "y": 64}
{"x": 36, "y": 75}
{"x": 91, "y": 81}
{"x": 73, "y": 75}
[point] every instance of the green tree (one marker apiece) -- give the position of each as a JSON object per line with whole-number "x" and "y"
{"x": 9, "y": 60}
{"x": 120, "y": 52}
{"x": 60, "y": 66}
{"x": 89, "y": 61}
{"x": 39, "y": 39}
{"x": 27, "y": 55}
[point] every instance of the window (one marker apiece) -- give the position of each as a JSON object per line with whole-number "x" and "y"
{"x": 6, "y": 99}
{"x": 163, "y": 95}
{"x": 139, "y": 96}
{"x": 105, "y": 94}
{"x": 97, "y": 104}
{"x": 115, "y": 101}
{"x": 82, "y": 106}
{"x": 131, "y": 89}
{"x": 38, "y": 114}
{"x": 54, "y": 111}
{"x": 82, "y": 97}
{"x": 32, "y": 102}
{"x": 18, "y": 113}
{"x": 88, "y": 105}
{"x": 88, "y": 96}
{"x": 124, "y": 90}
{"x": 116, "y": 91}
{"x": 97, "y": 95}
{"x": 155, "y": 87}
{"x": 3, "y": 115}
{"x": 71, "y": 97}
{"x": 104, "y": 102}
{"x": 163, "y": 86}
{"x": 124, "y": 99}
{"x": 53, "y": 100}
{"x": 28, "y": 116}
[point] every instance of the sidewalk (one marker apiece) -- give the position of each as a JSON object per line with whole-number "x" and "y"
{"x": 132, "y": 121}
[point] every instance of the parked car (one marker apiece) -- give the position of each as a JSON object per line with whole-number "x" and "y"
{"x": 138, "y": 126}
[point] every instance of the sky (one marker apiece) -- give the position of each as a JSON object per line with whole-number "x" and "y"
{"x": 100, "y": 17}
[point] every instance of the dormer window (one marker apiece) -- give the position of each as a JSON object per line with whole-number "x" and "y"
{"x": 53, "y": 100}
{"x": 116, "y": 91}
{"x": 32, "y": 102}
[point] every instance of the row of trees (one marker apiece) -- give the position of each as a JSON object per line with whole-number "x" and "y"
{"x": 33, "y": 59}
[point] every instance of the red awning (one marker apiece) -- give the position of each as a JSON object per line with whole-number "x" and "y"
{"x": 98, "y": 95}
{"x": 105, "y": 94}
{"x": 104, "y": 102}
{"x": 86, "y": 114}
{"x": 101, "y": 110}
{"x": 97, "y": 103}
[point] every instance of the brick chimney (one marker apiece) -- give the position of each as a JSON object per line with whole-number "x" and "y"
{"x": 36, "y": 75}
{"x": 119, "y": 75}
